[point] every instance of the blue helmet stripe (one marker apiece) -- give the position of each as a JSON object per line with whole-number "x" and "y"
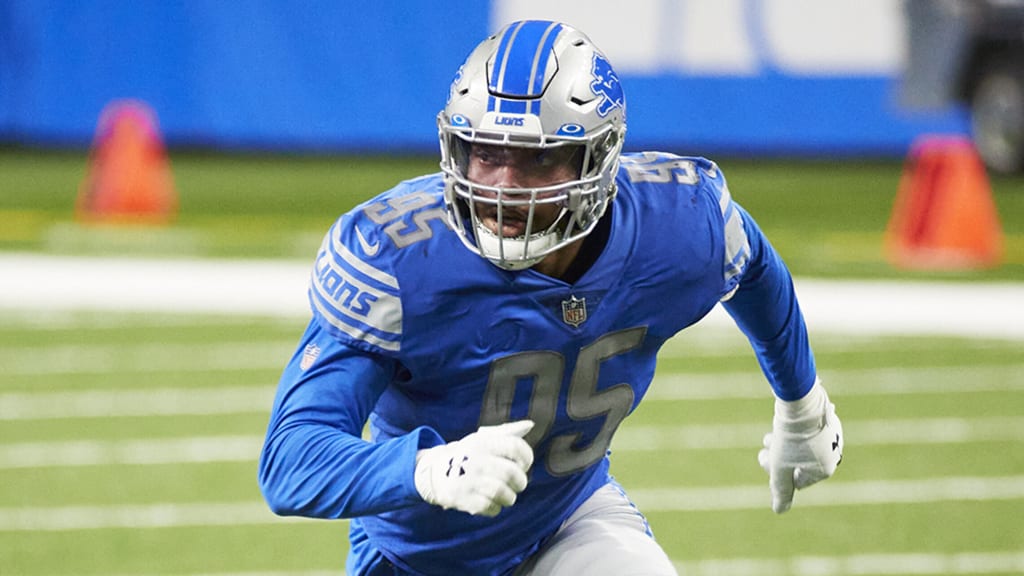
{"x": 511, "y": 106}
{"x": 522, "y": 58}
{"x": 538, "y": 72}
{"x": 541, "y": 58}
{"x": 500, "y": 58}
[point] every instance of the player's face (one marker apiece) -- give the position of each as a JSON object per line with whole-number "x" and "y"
{"x": 509, "y": 167}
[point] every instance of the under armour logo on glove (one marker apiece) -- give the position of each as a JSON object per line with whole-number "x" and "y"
{"x": 451, "y": 465}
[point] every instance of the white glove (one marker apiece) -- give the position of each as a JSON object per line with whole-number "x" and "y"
{"x": 804, "y": 446}
{"x": 480, "y": 474}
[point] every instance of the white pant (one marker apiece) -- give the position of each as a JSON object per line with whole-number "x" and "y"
{"x": 606, "y": 536}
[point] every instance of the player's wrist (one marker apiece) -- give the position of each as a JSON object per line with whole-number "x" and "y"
{"x": 804, "y": 415}
{"x": 422, "y": 477}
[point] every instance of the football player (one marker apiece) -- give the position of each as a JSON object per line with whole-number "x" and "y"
{"x": 496, "y": 322}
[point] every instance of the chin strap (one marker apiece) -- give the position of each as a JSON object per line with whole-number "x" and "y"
{"x": 515, "y": 258}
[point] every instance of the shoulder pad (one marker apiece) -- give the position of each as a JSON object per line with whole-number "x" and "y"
{"x": 356, "y": 301}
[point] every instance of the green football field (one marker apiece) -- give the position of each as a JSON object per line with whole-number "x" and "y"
{"x": 129, "y": 445}
{"x": 128, "y": 440}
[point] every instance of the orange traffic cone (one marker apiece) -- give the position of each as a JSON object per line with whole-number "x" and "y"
{"x": 944, "y": 217}
{"x": 128, "y": 179}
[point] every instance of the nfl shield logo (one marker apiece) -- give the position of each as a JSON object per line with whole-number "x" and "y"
{"x": 309, "y": 355}
{"x": 574, "y": 311}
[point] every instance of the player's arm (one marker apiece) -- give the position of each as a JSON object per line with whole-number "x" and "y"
{"x": 764, "y": 306}
{"x": 806, "y": 441}
{"x": 314, "y": 461}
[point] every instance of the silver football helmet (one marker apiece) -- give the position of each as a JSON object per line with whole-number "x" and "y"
{"x": 539, "y": 85}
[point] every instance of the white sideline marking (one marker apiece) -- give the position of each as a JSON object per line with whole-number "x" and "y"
{"x": 887, "y": 307}
{"x": 278, "y": 288}
{"x": 46, "y": 282}
{"x": 748, "y": 497}
{"x": 209, "y": 449}
{"x": 860, "y": 564}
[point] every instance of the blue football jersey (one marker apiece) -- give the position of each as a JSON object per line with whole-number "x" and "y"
{"x": 427, "y": 341}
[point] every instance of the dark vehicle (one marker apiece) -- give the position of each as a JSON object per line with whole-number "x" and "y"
{"x": 971, "y": 52}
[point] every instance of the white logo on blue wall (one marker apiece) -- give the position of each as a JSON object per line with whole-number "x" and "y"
{"x": 606, "y": 84}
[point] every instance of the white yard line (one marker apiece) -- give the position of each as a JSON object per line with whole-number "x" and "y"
{"x": 100, "y": 403}
{"x": 278, "y": 288}
{"x": 55, "y": 285}
{"x": 328, "y": 572}
{"x": 187, "y": 450}
{"x": 899, "y": 381}
{"x": 835, "y": 494}
{"x": 137, "y": 516}
{"x": 143, "y": 358}
{"x": 663, "y": 439}
{"x": 925, "y": 563}
{"x": 922, "y": 563}
{"x": 887, "y": 432}
{"x": 133, "y": 402}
